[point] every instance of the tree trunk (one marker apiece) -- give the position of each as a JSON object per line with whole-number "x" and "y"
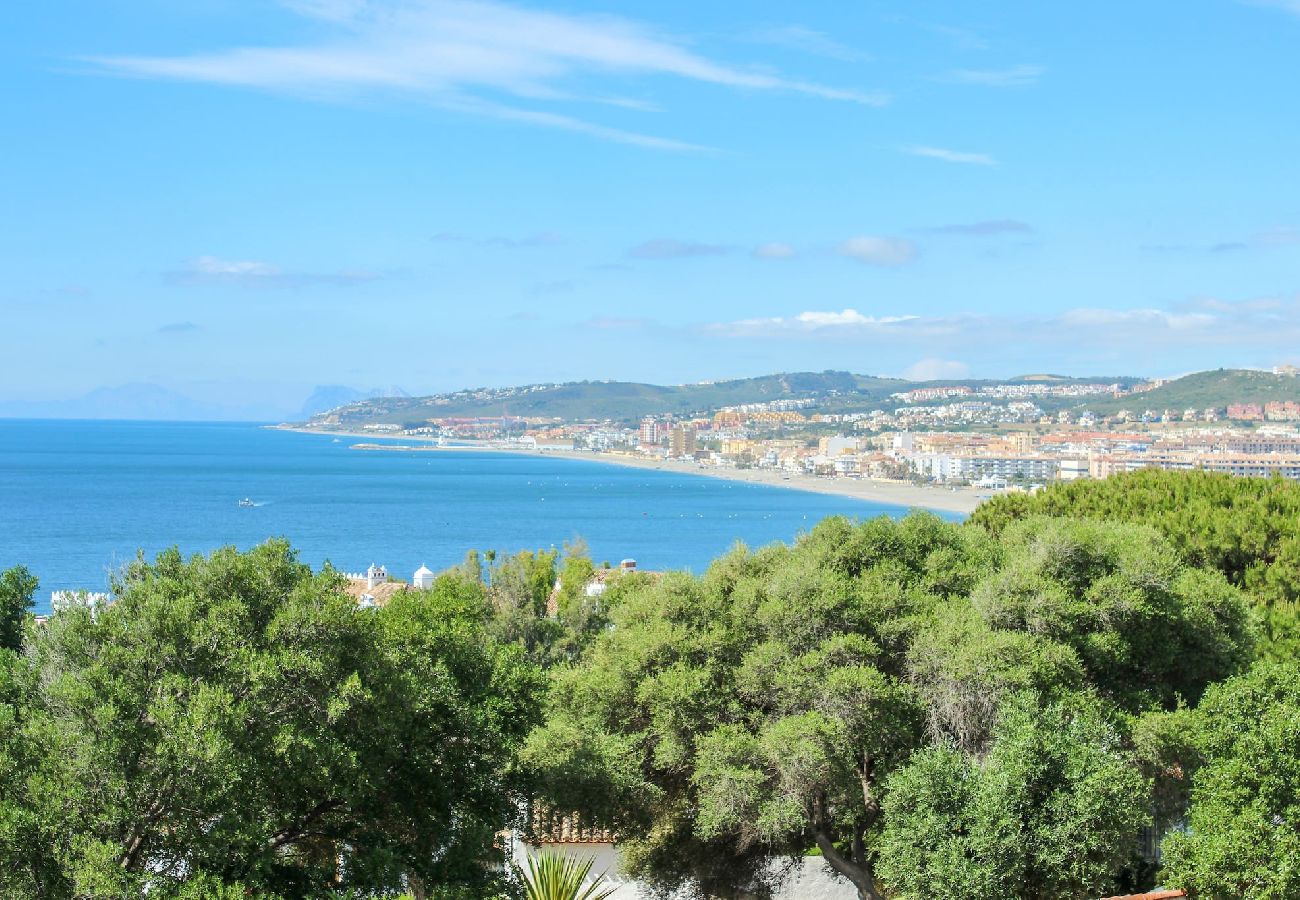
{"x": 860, "y": 875}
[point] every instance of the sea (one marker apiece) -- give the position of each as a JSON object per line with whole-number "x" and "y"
{"x": 79, "y": 499}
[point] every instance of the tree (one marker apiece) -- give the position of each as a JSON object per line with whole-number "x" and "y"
{"x": 1243, "y": 527}
{"x": 238, "y": 720}
{"x": 17, "y": 587}
{"x": 1242, "y": 837}
{"x": 726, "y": 724}
{"x": 1049, "y": 813}
{"x": 1146, "y": 628}
{"x": 517, "y": 590}
{"x": 743, "y": 717}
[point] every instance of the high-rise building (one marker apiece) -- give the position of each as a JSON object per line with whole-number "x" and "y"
{"x": 682, "y": 441}
{"x": 649, "y": 431}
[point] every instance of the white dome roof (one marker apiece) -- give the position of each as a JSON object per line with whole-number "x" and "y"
{"x": 422, "y": 571}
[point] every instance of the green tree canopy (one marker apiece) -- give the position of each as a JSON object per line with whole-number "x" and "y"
{"x": 17, "y": 587}
{"x": 1242, "y": 837}
{"x": 238, "y": 720}
{"x": 1243, "y": 527}
{"x": 1048, "y": 813}
{"x": 728, "y": 722}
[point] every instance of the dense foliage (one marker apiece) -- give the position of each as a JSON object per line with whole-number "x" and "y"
{"x": 1244, "y": 527}
{"x": 1048, "y": 813}
{"x": 237, "y": 722}
{"x": 965, "y": 711}
{"x": 1243, "y": 834}
{"x": 729, "y": 722}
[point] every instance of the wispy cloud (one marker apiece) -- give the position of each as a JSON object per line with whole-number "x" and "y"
{"x": 671, "y": 248}
{"x": 1015, "y": 76}
{"x": 952, "y": 156}
{"x": 774, "y": 250}
{"x": 1267, "y": 238}
{"x": 1111, "y": 318}
{"x": 212, "y": 270}
{"x": 472, "y": 56}
{"x": 1278, "y": 235}
{"x": 1205, "y": 321}
{"x": 805, "y": 40}
{"x": 879, "y": 251}
{"x": 983, "y": 229}
{"x": 964, "y": 38}
{"x": 1291, "y": 6}
{"x": 811, "y": 322}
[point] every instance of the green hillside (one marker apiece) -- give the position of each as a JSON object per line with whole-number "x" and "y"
{"x": 1202, "y": 390}
{"x": 625, "y": 401}
{"x": 619, "y": 400}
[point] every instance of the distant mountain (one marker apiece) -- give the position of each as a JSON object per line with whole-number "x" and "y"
{"x": 128, "y": 401}
{"x": 327, "y": 397}
{"x": 331, "y": 396}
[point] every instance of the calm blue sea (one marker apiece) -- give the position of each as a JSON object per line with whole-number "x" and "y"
{"x": 78, "y": 499}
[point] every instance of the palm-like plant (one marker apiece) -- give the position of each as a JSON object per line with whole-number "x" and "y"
{"x": 552, "y": 876}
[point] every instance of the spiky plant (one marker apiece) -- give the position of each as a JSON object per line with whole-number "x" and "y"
{"x": 552, "y": 876}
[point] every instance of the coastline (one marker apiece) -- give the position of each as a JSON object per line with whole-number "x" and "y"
{"x": 961, "y": 500}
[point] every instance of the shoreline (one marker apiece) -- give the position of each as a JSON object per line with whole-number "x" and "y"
{"x": 902, "y": 494}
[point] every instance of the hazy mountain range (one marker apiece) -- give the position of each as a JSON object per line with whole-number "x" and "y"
{"x": 157, "y": 403}
{"x": 626, "y": 401}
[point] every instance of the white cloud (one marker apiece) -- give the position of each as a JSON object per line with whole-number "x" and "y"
{"x": 1016, "y": 76}
{"x": 462, "y": 55}
{"x": 952, "y": 156}
{"x": 879, "y": 251}
{"x": 212, "y": 267}
{"x": 213, "y": 270}
{"x": 774, "y": 250}
{"x": 811, "y": 322}
{"x": 805, "y": 40}
{"x": 934, "y": 369}
{"x": 1205, "y": 328}
{"x": 1110, "y": 318}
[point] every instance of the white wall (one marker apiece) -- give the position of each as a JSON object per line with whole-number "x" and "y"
{"x": 815, "y": 881}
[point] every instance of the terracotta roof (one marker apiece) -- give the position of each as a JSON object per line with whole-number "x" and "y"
{"x": 548, "y": 827}
{"x": 1153, "y": 895}
{"x": 382, "y": 593}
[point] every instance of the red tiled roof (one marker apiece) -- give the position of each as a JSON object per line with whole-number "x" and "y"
{"x": 1153, "y": 895}
{"x": 548, "y": 827}
{"x": 382, "y": 592}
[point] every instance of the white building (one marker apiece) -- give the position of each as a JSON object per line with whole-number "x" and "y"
{"x": 950, "y": 467}
{"x": 61, "y": 600}
{"x": 423, "y": 578}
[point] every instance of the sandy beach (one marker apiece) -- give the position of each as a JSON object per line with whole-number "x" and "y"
{"x": 958, "y": 500}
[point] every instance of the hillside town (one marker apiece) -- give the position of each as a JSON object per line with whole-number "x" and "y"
{"x": 995, "y": 437}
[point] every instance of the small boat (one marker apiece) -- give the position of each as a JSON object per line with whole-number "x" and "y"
{"x": 246, "y": 503}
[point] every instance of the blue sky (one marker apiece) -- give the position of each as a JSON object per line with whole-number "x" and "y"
{"x": 241, "y": 199}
